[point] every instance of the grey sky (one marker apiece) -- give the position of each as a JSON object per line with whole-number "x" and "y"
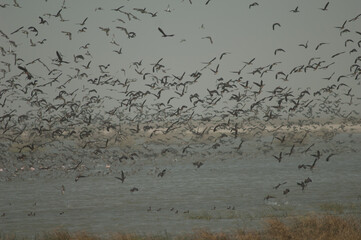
{"x": 245, "y": 32}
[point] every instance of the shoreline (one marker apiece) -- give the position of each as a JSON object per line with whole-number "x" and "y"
{"x": 128, "y": 137}
{"x": 186, "y": 133}
{"x": 193, "y": 128}
{"x": 309, "y": 226}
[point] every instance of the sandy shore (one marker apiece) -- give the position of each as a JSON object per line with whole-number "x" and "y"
{"x": 131, "y": 135}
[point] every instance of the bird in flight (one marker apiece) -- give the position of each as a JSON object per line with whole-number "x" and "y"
{"x": 278, "y": 50}
{"x": 198, "y": 164}
{"x": 268, "y": 197}
{"x": 343, "y": 25}
{"x": 304, "y": 45}
{"x": 42, "y": 21}
{"x": 279, "y": 157}
{"x": 134, "y": 189}
{"x": 224, "y": 53}
{"x": 319, "y": 45}
{"x": 329, "y": 156}
{"x": 168, "y": 9}
{"x": 208, "y": 37}
{"x": 82, "y": 23}
{"x": 274, "y": 25}
{"x": 161, "y": 174}
{"x": 119, "y": 52}
{"x": 68, "y": 34}
{"x": 253, "y": 4}
{"x": 60, "y": 58}
{"x": 278, "y": 185}
{"x": 286, "y": 191}
{"x": 29, "y": 76}
{"x": 295, "y": 10}
{"x": 250, "y": 62}
{"x": 163, "y": 33}
{"x": 122, "y": 178}
{"x": 325, "y": 7}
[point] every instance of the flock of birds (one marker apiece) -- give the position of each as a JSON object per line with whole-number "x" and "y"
{"x": 64, "y": 98}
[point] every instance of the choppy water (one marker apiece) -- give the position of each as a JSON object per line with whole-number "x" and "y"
{"x": 226, "y": 192}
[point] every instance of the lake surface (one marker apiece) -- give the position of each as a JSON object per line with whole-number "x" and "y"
{"x": 228, "y": 191}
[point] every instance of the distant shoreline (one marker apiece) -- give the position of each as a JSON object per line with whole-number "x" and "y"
{"x": 312, "y": 226}
{"x": 209, "y": 128}
{"x": 133, "y": 135}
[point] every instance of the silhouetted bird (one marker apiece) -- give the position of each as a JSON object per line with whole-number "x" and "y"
{"x": 163, "y": 34}
{"x": 122, "y": 177}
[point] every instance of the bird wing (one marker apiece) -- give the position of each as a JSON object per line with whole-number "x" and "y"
{"x": 59, "y": 56}
{"x": 274, "y": 25}
{"x": 22, "y": 68}
{"x": 160, "y": 30}
{"x": 326, "y": 5}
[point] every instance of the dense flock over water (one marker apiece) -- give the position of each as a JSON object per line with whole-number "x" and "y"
{"x": 128, "y": 117}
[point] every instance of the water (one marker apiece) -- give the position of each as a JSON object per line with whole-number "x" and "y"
{"x": 225, "y": 193}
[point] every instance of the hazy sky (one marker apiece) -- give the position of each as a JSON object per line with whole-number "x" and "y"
{"x": 235, "y": 27}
